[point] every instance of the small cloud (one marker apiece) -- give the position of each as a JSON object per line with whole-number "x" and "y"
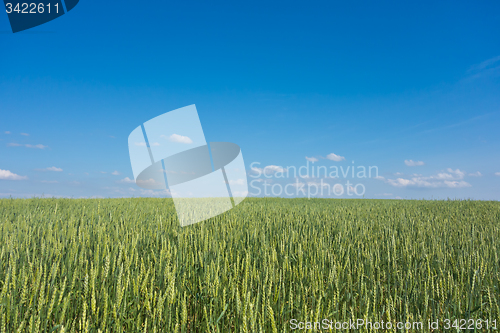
{"x": 486, "y": 68}
{"x": 13, "y": 144}
{"x": 103, "y": 172}
{"x": 270, "y": 169}
{"x": 126, "y": 180}
{"x": 112, "y": 137}
{"x": 475, "y": 174}
{"x": 7, "y": 132}
{"x": 237, "y": 182}
{"x": 400, "y": 182}
{"x": 154, "y": 193}
{"x": 497, "y": 173}
{"x": 115, "y": 173}
{"x": 334, "y": 157}
{"x": 312, "y": 159}
{"x": 25, "y": 134}
{"x": 55, "y": 169}
{"x": 413, "y": 163}
{"x": 485, "y": 64}
{"x": 49, "y": 181}
{"x": 321, "y": 184}
{"x": 37, "y": 146}
{"x": 155, "y": 144}
{"x": 179, "y": 139}
{"x": 444, "y": 175}
{"x": 456, "y": 184}
{"x": 7, "y": 175}
{"x": 451, "y": 178}
{"x": 150, "y": 181}
{"x": 457, "y": 172}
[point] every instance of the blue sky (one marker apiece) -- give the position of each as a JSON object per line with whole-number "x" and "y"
{"x": 377, "y": 83}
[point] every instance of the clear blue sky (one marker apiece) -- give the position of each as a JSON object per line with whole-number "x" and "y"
{"x": 378, "y": 83}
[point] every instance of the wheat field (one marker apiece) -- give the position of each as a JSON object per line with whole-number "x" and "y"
{"x": 126, "y": 265}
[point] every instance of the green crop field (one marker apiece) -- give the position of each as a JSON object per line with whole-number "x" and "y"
{"x": 125, "y": 265}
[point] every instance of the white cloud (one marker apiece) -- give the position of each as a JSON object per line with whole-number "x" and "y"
{"x": 273, "y": 169}
{"x": 400, "y": 182}
{"x": 334, "y": 157}
{"x": 155, "y": 144}
{"x": 25, "y": 134}
{"x": 179, "y": 138}
{"x": 413, "y": 163}
{"x": 36, "y": 146}
{"x": 7, "y": 175}
{"x": 269, "y": 170}
{"x": 475, "y": 174}
{"x": 497, "y": 173}
{"x": 456, "y": 184}
{"x": 154, "y": 193}
{"x": 485, "y": 64}
{"x": 150, "y": 181}
{"x": 444, "y": 175}
{"x": 49, "y": 181}
{"x": 312, "y": 159}
{"x": 451, "y": 178}
{"x": 13, "y": 144}
{"x": 55, "y": 169}
{"x": 318, "y": 184}
{"x": 457, "y": 172}
{"x": 115, "y": 173}
{"x": 103, "y": 172}
{"x": 126, "y": 180}
{"x": 237, "y": 182}
{"x": 7, "y": 132}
